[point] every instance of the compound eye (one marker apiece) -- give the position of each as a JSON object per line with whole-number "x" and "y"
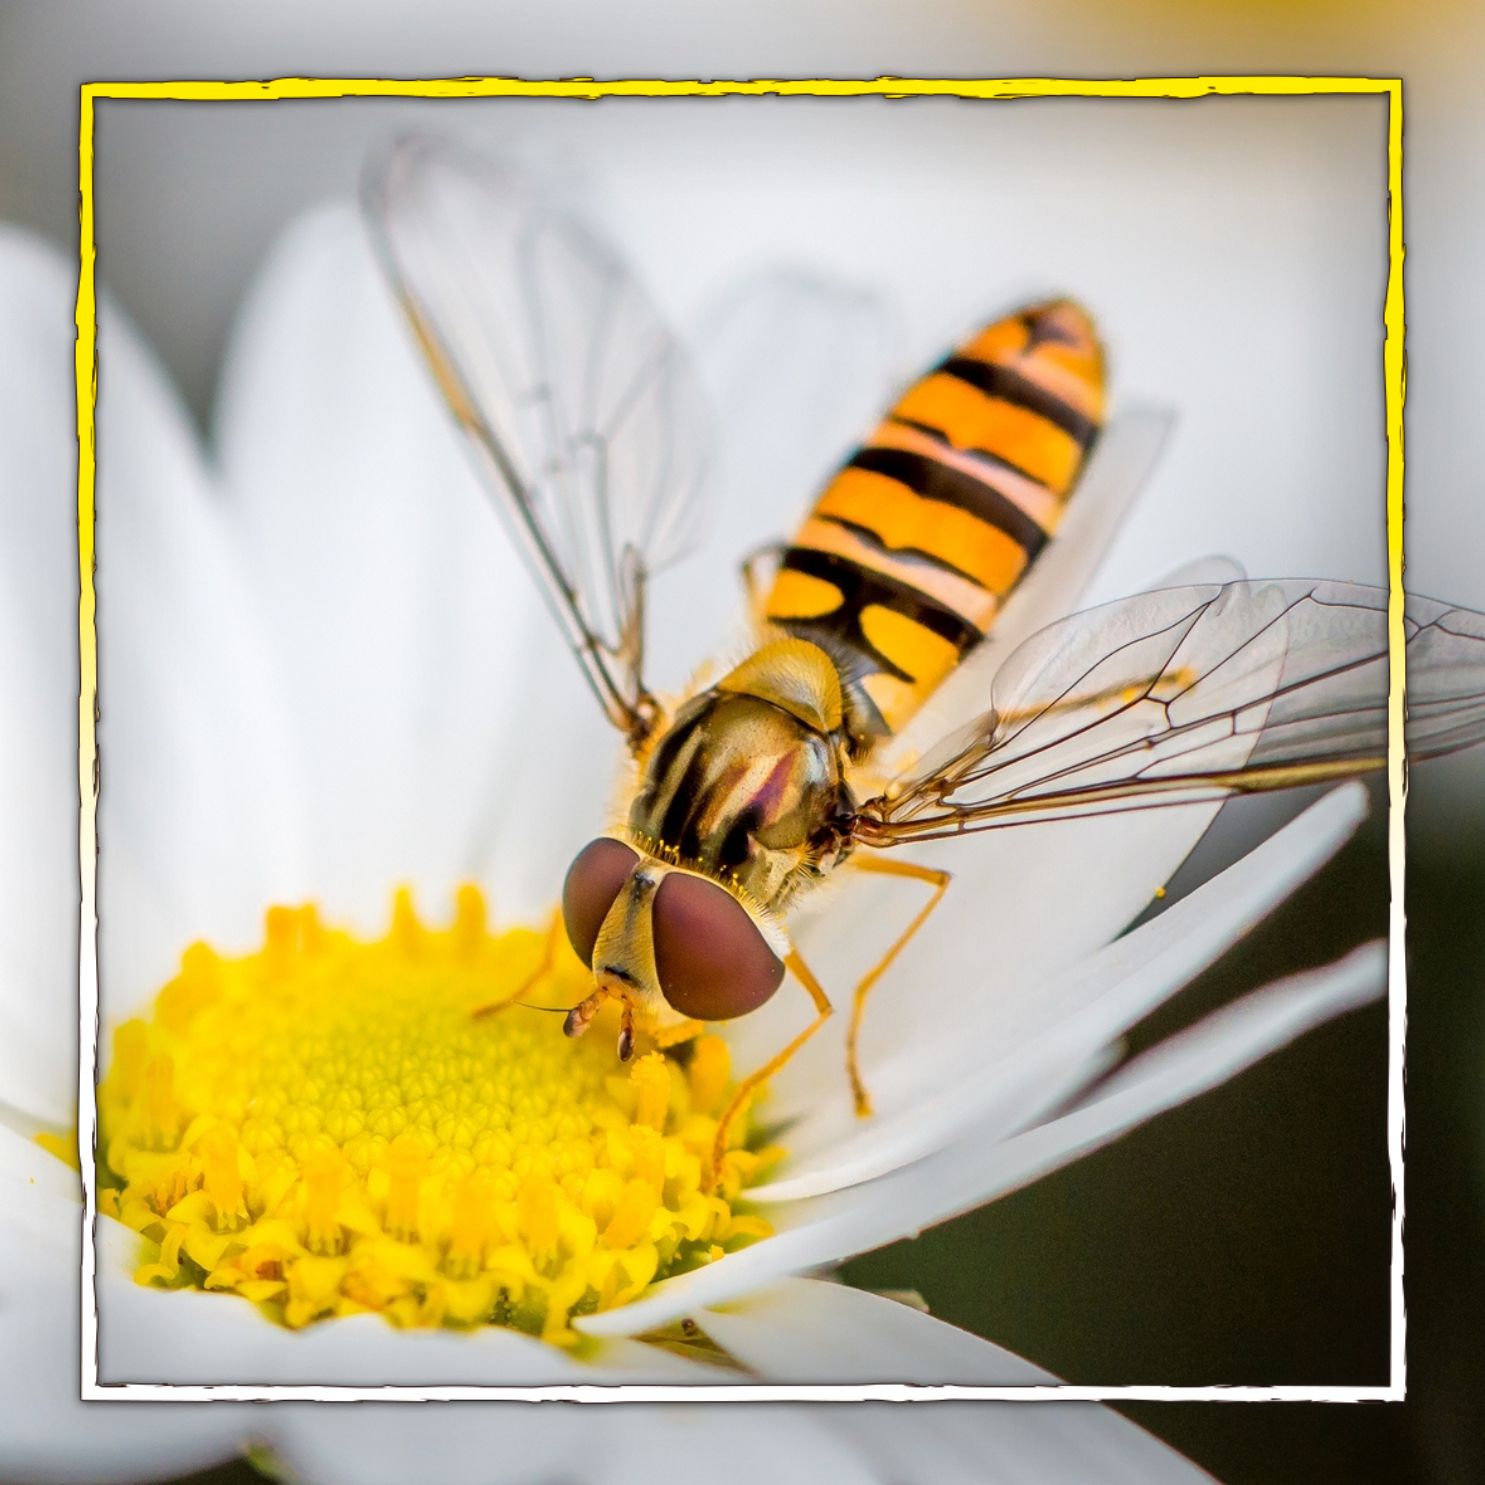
{"x": 597, "y": 873}
{"x": 713, "y": 962}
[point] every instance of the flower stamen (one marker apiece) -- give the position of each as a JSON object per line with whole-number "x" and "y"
{"x": 323, "y": 1127}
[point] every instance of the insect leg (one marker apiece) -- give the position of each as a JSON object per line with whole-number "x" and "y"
{"x": 543, "y": 968}
{"x": 823, "y": 1010}
{"x": 886, "y": 868}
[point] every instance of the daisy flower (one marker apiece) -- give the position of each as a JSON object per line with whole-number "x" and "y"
{"x": 327, "y": 686}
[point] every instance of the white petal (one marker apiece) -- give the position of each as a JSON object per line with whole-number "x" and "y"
{"x": 387, "y": 1444}
{"x": 159, "y": 1336}
{"x": 997, "y": 1062}
{"x": 46, "y": 1433}
{"x": 528, "y": 1444}
{"x": 25, "y": 1163}
{"x": 38, "y": 681}
{"x": 827, "y": 1229}
{"x": 1012, "y": 1443}
{"x": 786, "y": 1444}
{"x": 1008, "y": 1094}
{"x": 365, "y": 1351}
{"x": 196, "y": 813}
{"x": 810, "y": 1331}
{"x": 1237, "y": 1036}
{"x": 1202, "y": 570}
{"x": 440, "y": 718}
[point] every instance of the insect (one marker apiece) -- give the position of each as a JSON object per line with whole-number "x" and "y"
{"x": 750, "y": 791}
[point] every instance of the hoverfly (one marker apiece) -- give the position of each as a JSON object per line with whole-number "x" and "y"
{"x": 752, "y": 789}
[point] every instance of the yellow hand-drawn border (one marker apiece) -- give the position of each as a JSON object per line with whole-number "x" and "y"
{"x": 1395, "y": 379}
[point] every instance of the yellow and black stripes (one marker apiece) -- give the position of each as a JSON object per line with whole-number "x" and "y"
{"x": 913, "y": 547}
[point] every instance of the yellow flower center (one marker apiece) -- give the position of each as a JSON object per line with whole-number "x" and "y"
{"x": 325, "y": 1127}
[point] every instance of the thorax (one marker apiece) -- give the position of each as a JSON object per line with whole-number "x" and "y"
{"x": 746, "y": 784}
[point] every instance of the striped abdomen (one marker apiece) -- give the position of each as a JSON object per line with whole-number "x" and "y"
{"x": 912, "y": 549}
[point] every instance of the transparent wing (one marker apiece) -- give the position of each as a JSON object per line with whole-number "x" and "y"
{"x": 587, "y": 425}
{"x": 1188, "y": 695}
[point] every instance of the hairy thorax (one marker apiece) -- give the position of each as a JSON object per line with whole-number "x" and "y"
{"x": 746, "y": 783}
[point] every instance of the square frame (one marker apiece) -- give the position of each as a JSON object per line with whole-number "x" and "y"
{"x": 977, "y": 89}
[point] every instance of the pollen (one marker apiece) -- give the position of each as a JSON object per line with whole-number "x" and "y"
{"x": 325, "y": 1127}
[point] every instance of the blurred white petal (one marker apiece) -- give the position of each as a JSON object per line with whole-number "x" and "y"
{"x": 786, "y": 1444}
{"x": 38, "y": 681}
{"x": 46, "y": 1433}
{"x": 33, "y": 1169}
{"x": 534, "y": 1444}
{"x": 1010, "y": 1443}
{"x": 196, "y": 782}
{"x": 472, "y": 1444}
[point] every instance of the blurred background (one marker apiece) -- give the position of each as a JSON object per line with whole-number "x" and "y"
{"x": 1235, "y": 252}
